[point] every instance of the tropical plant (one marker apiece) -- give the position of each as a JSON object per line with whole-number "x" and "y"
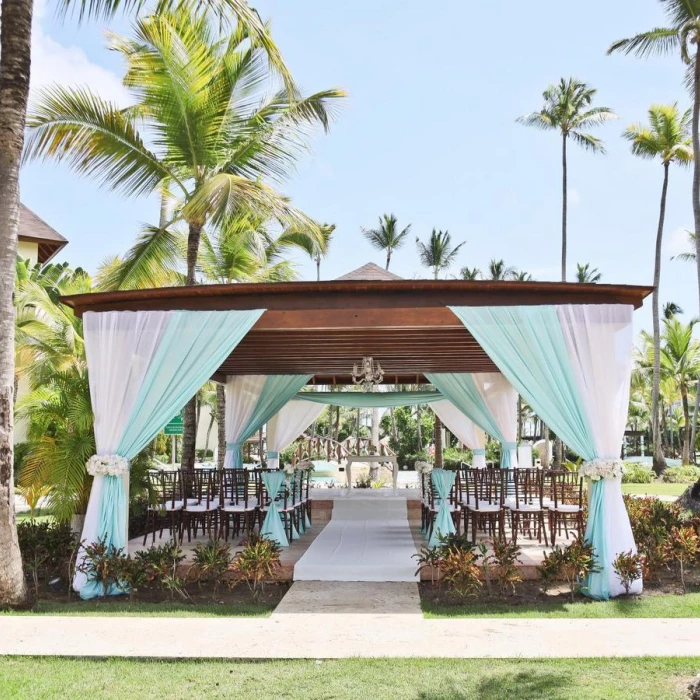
{"x": 682, "y": 35}
{"x": 221, "y": 135}
{"x": 15, "y": 49}
{"x": 460, "y": 571}
{"x": 469, "y": 273}
{"x": 573, "y": 562}
{"x": 257, "y": 563}
{"x": 505, "y": 559}
{"x": 628, "y": 567}
{"x": 667, "y": 138}
{"x": 438, "y": 253}
{"x": 387, "y": 236}
{"x": 161, "y": 564}
{"x": 498, "y": 270}
{"x": 585, "y": 274}
{"x": 671, "y": 309}
{"x": 103, "y": 564}
{"x": 681, "y": 475}
{"x": 211, "y": 562}
{"x": 690, "y": 255}
{"x": 567, "y": 109}
{"x": 683, "y": 548}
{"x": 50, "y": 354}
{"x": 636, "y": 473}
{"x": 32, "y": 494}
{"x": 429, "y": 558}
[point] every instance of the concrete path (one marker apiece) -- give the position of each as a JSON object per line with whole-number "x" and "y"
{"x": 388, "y": 623}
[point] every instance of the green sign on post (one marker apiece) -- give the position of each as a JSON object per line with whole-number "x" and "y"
{"x": 175, "y": 426}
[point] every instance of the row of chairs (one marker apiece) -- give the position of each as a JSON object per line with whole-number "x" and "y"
{"x": 532, "y": 502}
{"x": 221, "y": 503}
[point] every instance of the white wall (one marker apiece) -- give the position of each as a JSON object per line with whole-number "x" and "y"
{"x": 27, "y": 249}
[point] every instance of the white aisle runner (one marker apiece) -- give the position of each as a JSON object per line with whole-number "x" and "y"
{"x": 365, "y": 540}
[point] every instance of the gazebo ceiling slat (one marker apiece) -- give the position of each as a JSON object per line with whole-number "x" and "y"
{"x": 322, "y": 328}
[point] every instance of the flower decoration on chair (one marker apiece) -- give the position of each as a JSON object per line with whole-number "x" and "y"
{"x": 107, "y": 465}
{"x": 289, "y": 469}
{"x": 423, "y": 467}
{"x": 598, "y": 469}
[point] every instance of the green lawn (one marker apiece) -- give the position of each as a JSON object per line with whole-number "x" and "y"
{"x": 40, "y": 516}
{"x": 428, "y": 679}
{"x": 687, "y": 605}
{"x": 657, "y": 488}
{"x": 124, "y": 608}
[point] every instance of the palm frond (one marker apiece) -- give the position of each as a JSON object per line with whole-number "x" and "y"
{"x": 655, "y": 42}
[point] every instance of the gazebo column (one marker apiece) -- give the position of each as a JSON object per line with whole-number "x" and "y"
{"x": 573, "y": 364}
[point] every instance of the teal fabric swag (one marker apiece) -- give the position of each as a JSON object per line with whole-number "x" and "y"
{"x": 370, "y": 399}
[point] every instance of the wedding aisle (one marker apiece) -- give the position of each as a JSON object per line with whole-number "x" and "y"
{"x": 365, "y": 540}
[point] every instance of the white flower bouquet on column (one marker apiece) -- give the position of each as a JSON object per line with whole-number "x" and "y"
{"x": 107, "y": 465}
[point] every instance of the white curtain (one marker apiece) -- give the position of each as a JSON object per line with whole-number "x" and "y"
{"x": 242, "y": 395}
{"x": 464, "y": 428}
{"x": 502, "y": 401}
{"x": 119, "y": 347}
{"x": 287, "y": 425}
{"x": 599, "y": 341}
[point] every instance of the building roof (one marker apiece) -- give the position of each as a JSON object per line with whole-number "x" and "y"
{"x": 370, "y": 272}
{"x": 36, "y": 230}
{"x": 322, "y": 328}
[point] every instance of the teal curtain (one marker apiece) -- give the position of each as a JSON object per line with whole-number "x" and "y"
{"x": 527, "y": 345}
{"x": 597, "y": 585}
{"x": 272, "y": 526}
{"x": 460, "y": 388}
{"x": 443, "y": 481}
{"x": 370, "y": 399}
{"x": 193, "y": 347}
{"x": 277, "y": 390}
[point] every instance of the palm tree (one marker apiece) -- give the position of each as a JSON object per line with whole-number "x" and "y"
{"x": 15, "y": 62}
{"x": 316, "y": 247}
{"x": 438, "y": 253}
{"x": 682, "y": 36}
{"x": 469, "y": 273}
{"x": 218, "y": 138}
{"x": 691, "y": 255}
{"x": 666, "y": 138}
{"x": 521, "y": 276}
{"x": 567, "y": 109}
{"x": 387, "y": 235}
{"x": 498, "y": 270}
{"x": 586, "y": 274}
{"x": 671, "y": 309}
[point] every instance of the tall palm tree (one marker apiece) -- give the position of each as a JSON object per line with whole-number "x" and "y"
{"x": 15, "y": 71}
{"x": 498, "y": 270}
{"x": 682, "y": 35}
{"x": 671, "y": 309}
{"x": 567, "y": 109}
{"x": 438, "y": 253}
{"x": 690, "y": 255}
{"x": 219, "y": 135}
{"x": 316, "y": 247}
{"x": 585, "y": 274}
{"x": 387, "y": 235}
{"x": 666, "y": 138}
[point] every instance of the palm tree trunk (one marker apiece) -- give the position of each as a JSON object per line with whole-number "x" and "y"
{"x": 685, "y": 457}
{"x": 318, "y": 268}
{"x": 544, "y": 457}
{"x": 419, "y": 429}
{"x": 212, "y": 418}
{"x": 696, "y": 159}
{"x": 221, "y": 424}
{"x": 189, "y": 428}
{"x": 437, "y": 437}
{"x": 15, "y": 60}
{"x": 564, "y": 177}
{"x": 659, "y": 463}
{"x": 388, "y": 257}
{"x": 693, "y": 432}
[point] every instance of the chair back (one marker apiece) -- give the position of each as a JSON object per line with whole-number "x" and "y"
{"x": 235, "y": 487}
{"x": 528, "y": 487}
{"x": 165, "y": 488}
{"x": 200, "y": 487}
{"x": 567, "y": 488}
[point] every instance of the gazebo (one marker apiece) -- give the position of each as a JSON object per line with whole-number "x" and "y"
{"x": 566, "y": 348}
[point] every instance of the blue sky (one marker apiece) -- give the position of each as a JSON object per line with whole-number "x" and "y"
{"x": 428, "y": 132}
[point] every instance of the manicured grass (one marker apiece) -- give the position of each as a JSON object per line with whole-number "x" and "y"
{"x": 39, "y": 517}
{"x": 657, "y": 488}
{"x": 687, "y": 605}
{"x": 137, "y": 609}
{"x": 398, "y": 679}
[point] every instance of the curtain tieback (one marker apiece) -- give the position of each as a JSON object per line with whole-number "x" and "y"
{"x": 233, "y": 446}
{"x": 510, "y": 445}
{"x": 479, "y": 452}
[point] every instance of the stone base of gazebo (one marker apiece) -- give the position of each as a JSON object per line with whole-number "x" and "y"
{"x": 531, "y": 557}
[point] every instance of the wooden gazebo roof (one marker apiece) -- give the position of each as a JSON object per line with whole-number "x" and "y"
{"x": 322, "y": 328}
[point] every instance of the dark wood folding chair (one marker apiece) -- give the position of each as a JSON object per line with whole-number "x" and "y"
{"x": 201, "y": 506}
{"x": 566, "y": 509}
{"x": 165, "y": 503}
{"x": 238, "y": 508}
{"x": 527, "y": 507}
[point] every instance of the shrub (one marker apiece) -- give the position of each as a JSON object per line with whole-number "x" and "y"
{"x": 636, "y": 473}
{"x": 628, "y": 566}
{"x": 683, "y": 548}
{"x": 429, "y": 557}
{"x": 212, "y": 560}
{"x": 460, "y": 571}
{"x": 574, "y": 563}
{"x": 47, "y": 549}
{"x": 160, "y": 566}
{"x": 506, "y": 556}
{"x": 258, "y": 562}
{"x": 681, "y": 475}
{"x": 452, "y": 457}
{"x": 104, "y": 564}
